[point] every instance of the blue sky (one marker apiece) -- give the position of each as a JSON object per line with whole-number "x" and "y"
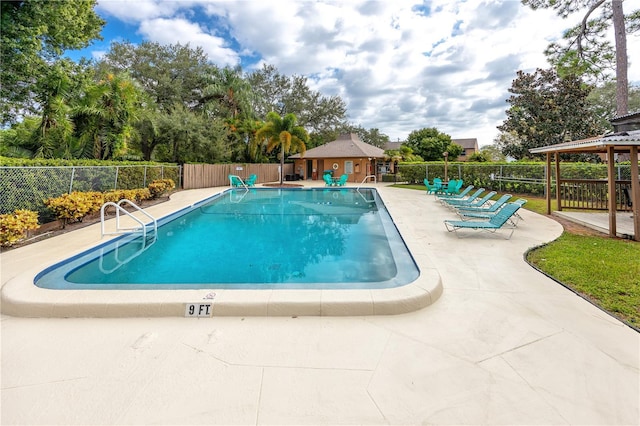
{"x": 399, "y": 65}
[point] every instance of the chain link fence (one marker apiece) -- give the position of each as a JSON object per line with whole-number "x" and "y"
{"x": 28, "y": 187}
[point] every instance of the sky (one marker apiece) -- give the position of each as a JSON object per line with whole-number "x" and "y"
{"x": 399, "y": 65}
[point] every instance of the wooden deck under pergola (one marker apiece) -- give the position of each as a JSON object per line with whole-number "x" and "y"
{"x": 618, "y": 143}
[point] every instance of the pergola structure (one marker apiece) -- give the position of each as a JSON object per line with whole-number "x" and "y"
{"x": 622, "y": 141}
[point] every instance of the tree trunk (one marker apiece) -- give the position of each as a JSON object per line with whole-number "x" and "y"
{"x": 281, "y": 166}
{"x": 622, "y": 83}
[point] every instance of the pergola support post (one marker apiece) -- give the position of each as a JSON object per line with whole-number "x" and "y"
{"x": 548, "y": 183}
{"x": 558, "y": 194}
{"x": 612, "y": 190}
{"x": 635, "y": 193}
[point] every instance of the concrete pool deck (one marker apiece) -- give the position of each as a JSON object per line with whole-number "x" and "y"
{"x": 503, "y": 344}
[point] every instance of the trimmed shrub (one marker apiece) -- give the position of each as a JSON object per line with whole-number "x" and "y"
{"x": 75, "y": 206}
{"x": 14, "y": 226}
{"x": 160, "y": 186}
{"x": 135, "y": 195}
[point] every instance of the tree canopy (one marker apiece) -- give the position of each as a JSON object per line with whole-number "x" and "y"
{"x": 586, "y": 50}
{"x": 545, "y": 110}
{"x": 34, "y": 36}
{"x": 431, "y": 145}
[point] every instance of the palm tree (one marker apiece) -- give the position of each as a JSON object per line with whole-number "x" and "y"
{"x": 282, "y": 132}
{"x": 107, "y": 114}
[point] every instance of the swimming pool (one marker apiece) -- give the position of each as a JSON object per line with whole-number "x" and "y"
{"x": 303, "y": 238}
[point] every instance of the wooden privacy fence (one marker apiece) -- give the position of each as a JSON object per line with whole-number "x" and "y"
{"x": 210, "y": 175}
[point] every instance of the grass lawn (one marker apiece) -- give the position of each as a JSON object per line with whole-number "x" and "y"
{"x": 604, "y": 270}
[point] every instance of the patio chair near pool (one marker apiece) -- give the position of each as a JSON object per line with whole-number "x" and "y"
{"x": 452, "y": 188}
{"x": 251, "y": 181}
{"x": 500, "y": 220}
{"x": 342, "y": 181}
{"x": 431, "y": 189}
{"x": 328, "y": 180}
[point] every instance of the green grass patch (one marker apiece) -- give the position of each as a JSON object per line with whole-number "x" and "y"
{"x": 605, "y": 270}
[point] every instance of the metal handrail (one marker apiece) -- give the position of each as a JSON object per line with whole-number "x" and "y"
{"x": 375, "y": 180}
{"x": 119, "y": 208}
{"x": 240, "y": 179}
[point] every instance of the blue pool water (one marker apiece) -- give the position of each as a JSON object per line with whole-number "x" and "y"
{"x": 320, "y": 238}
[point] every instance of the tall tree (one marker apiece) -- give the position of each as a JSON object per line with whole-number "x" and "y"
{"x": 292, "y": 95}
{"x": 372, "y": 136}
{"x": 283, "y": 133}
{"x": 602, "y": 101}
{"x": 170, "y": 74}
{"x": 34, "y": 36}
{"x": 546, "y": 110}
{"x": 107, "y": 114}
{"x": 228, "y": 94}
{"x": 586, "y": 50}
{"x": 431, "y": 145}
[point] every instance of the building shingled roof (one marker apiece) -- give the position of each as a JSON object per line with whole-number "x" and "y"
{"x": 467, "y": 143}
{"x": 346, "y": 146}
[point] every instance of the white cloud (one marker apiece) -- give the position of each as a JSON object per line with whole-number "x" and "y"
{"x": 173, "y": 31}
{"x": 399, "y": 66}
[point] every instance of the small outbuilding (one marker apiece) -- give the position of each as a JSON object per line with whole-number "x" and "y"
{"x": 624, "y": 140}
{"x": 346, "y": 155}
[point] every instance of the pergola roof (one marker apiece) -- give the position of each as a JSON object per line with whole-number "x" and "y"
{"x": 621, "y": 142}
{"x": 346, "y": 146}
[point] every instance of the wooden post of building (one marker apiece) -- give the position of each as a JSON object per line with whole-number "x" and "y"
{"x": 548, "y": 183}
{"x": 558, "y": 192}
{"x": 635, "y": 193}
{"x": 611, "y": 176}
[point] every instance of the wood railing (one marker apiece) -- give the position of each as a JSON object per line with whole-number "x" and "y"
{"x": 592, "y": 194}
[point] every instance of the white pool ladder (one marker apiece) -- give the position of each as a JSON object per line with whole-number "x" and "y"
{"x": 240, "y": 179}
{"x": 119, "y": 209}
{"x": 375, "y": 180}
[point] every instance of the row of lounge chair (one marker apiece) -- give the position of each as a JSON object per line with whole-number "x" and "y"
{"x": 478, "y": 211}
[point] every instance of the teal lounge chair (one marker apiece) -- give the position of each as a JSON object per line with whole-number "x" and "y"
{"x": 461, "y": 195}
{"x": 462, "y": 201}
{"x": 491, "y": 209}
{"x": 478, "y": 202}
{"x": 471, "y": 215}
{"x": 328, "y": 180}
{"x": 497, "y": 221}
